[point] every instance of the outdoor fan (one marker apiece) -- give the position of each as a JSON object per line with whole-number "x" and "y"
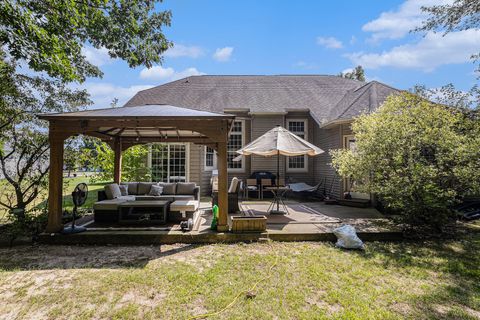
{"x": 79, "y": 196}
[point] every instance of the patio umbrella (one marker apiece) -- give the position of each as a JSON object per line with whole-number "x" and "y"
{"x": 279, "y": 141}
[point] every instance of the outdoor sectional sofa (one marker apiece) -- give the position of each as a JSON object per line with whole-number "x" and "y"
{"x": 184, "y": 200}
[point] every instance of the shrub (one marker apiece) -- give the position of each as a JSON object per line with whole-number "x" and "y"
{"x": 420, "y": 158}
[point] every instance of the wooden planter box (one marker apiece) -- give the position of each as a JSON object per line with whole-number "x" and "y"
{"x": 242, "y": 224}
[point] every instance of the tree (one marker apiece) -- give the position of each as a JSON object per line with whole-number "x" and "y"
{"x": 356, "y": 74}
{"x": 456, "y": 16}
{"x": 417, "y": 156}
{"x": 133, "y": 161}
{"x": 48, "y": 38}
{"x": 50, "y": 34}
{"x": 23, "y": 141}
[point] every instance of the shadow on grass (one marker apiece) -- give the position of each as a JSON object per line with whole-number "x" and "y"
{"x": 455, "y": 263}
{"x": 79, "y": 257}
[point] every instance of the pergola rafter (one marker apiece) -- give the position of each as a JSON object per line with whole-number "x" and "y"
{"x": 149, "y": 124}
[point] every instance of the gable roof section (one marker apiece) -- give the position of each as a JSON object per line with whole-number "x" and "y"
{"x": 364, "y": 99}
{"x": 327, "y": 97}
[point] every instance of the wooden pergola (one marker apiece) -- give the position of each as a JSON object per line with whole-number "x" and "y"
{"x": 124, "y": 127}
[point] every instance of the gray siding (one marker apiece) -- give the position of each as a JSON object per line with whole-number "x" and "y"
{"x": 318, "y": 167}
{"x": 260, "y": 125}
{"x": 306, "y": 176}
{"x": 329, "y": 139}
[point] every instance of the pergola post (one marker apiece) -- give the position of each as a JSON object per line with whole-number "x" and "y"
{"x": 117, "y": 165}
{"x": 222, "y": 225}
{"x": 55, "y": 184}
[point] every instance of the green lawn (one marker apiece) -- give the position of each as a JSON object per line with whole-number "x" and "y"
{"x": 69, "y": 185}
{"x": 420, "y": 280}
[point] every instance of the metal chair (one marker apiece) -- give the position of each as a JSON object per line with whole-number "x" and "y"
{"x": 252, "y": 186}
{"x": 265, "y": 183}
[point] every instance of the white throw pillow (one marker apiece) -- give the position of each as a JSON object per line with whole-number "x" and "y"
{"x": 155, "y": 190}
{"x": 233, "y": 185}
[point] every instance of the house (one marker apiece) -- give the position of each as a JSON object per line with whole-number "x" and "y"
{"x": 318, "y": 108}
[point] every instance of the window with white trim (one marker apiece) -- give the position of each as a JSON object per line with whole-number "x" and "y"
{"x": 235, "y": 142}
{"x": 210, "y": 159}
{"x": 299, "y": 128}
{"x": 169, "y": 162}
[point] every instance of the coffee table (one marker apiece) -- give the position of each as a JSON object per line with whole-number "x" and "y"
{"x": 143, "y": 212}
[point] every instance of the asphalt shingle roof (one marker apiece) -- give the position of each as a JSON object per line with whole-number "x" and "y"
{"x": 328, "y": 97}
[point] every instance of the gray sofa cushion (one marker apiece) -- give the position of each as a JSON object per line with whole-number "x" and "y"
{"x": 144, "y": 187}
{"x": 112, "y": 191}
{"x": 150, "y": 198}
{"x": 155, "y": 190}
{"x": 185, "y": 188}
{"x": 123, "y": 189}
{"x": 164, "y": 197}
{"x": 108, "y": 205}
{"x": 184, "y": 197}
{"x": 168, "y": 188}
{"x": 132, "y": 187}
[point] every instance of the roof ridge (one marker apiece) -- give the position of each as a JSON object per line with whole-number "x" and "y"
{"x": 355, "y": 100}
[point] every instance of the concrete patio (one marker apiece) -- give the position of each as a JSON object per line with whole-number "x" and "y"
{"x": 307, "y": 221}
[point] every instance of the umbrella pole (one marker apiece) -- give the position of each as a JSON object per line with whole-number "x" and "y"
{"x": 278, "y": 178}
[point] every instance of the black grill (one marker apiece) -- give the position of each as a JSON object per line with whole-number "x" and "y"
{"x": 263, "y": 175}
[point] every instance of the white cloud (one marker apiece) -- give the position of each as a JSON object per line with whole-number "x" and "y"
{"x": 223, "y": 54}
{"x": 156, "y": 73}
{"x": 180, "y": 50}
{"x": 429, "y": 53}
{"x": 160, "y": 73}
{"x": 102, "y": 93}
{"x": 329, "y": 42}
{"x": 305, "y": 65}
{"x": 96, "y": 56}
{"x": 396, "y": 24}
{"x": 186, "y": 73}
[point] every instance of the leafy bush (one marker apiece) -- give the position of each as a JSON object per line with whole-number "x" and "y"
{"x": 420, "y": 158}
{"x": 101, "y": 158}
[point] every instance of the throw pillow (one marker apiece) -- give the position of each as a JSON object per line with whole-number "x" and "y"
{"x": 233, "y": 185}
{"x": 123, "y": 189}
{"x": 112, "y": 191}
{"x": 155, "y": 190}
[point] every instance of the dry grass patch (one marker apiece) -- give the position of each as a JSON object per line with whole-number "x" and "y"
{"x": 310, "y": 281}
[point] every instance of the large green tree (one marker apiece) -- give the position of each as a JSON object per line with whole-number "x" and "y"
{"x": 41, "y": 51}
{"x": 100, "y": 157}
{"x": 419, "y": 157}
{"x": 49, "y": 34}
{"x": 23, "y": 140}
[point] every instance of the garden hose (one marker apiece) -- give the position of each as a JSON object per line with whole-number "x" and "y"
{"x": 269, "y": 274}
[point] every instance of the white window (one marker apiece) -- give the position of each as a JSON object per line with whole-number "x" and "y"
{"x": 298, "y": 163}
{"x": 169, "y": 162}
{"x": 235, "y": 142}
{"x": 210, "y": 159}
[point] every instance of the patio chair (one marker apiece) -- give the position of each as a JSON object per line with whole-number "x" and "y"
{"x": 252, "y": 186}
{"x": 265, "y": 183}
{"x": 233, "y": 196}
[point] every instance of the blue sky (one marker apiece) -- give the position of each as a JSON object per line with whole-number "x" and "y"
{"x": 296, "y": 37}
